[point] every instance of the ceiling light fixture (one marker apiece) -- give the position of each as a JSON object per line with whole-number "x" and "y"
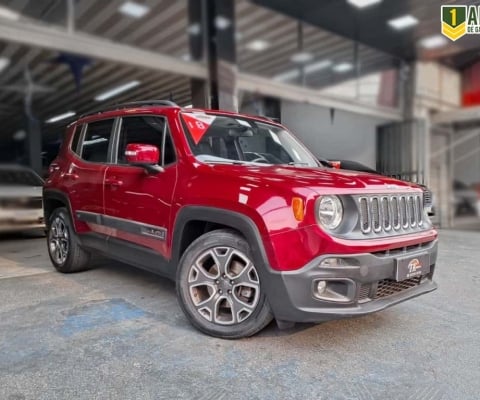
{"x": 301, "y": 57}
{"x": 433, "y": 42}
{"x": 7, "y": 13}
{"x": 258, "y": 45}
{"x": 117, "y": 90}
{"x": 4, "y": 63}
{"x": 403, "y": 22}
{"x": 317, "y": 66}
{"x": 222, "y": 22}
{"x": 133, "y": 9}
{"x": 194, "y": 29}
{"x": 60, "y": 117}
{"x": 309, "y": 69}
{"x": 287, "y": 75}
{"x": 19, "y": 135}
{"x": 342, "y": 67}
{"x": 363, "y": 3}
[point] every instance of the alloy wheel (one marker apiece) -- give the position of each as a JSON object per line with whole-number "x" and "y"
{"x": 224, "y": 286}
{"x": 58, "y": 241}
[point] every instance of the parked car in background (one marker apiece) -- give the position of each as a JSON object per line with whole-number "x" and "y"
{"x": 352, "y": 166}
{"x": 21, "y": 206}
{"x": 464, "y": 199}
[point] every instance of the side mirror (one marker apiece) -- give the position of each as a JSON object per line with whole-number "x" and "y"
{"x": 145, "y": 156}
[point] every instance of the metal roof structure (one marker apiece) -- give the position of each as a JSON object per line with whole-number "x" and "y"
{"x": 164, "y": 30}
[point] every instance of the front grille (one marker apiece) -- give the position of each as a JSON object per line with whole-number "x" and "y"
{"x": 403, "y": 250}
{"x": 383, "y": 213}
{"x": 427, "y": 197}
{"x": 387, "y": 287}
{"x": 364, "y": 292}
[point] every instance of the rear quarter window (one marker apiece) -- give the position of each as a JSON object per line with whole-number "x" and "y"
{"x": 74, "y": 145}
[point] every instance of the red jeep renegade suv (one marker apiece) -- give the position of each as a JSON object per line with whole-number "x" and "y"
{"x": 239, "y": 213}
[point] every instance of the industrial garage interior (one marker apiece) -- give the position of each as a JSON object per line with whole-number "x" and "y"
{"x": 379, "y": 92}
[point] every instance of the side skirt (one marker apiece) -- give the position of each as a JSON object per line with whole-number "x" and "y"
{"x": 128, "y": 253}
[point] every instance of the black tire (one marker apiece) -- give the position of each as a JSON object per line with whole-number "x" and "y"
{"x": 225, "y": 292}
{"x": 71, "y": 257}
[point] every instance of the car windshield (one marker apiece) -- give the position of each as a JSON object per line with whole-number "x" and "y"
{"x": 233, "y": 139}
{"x": 19, "y": 177}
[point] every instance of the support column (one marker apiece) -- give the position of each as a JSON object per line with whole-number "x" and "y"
{"x": 34, "y": 145}
{"x": 407, "y": 90}
{"x": 212, "y": 38}
{"x": 197, "y": 45}
{"x": 402, "y": 147}
{"x": 224, "y": 73}
{"x": 261, "y": 105}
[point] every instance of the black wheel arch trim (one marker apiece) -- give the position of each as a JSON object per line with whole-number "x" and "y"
{"x": 233, "y": 219}
{"x": 271, "y": 280}
{"x": 56, "y": 195}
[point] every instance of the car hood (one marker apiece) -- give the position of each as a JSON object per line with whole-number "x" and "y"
{"x": 14, "y": 191}
{"x": 321, "y": 180}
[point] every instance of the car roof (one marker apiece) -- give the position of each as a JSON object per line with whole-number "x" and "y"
{"x": 158, "y": 106}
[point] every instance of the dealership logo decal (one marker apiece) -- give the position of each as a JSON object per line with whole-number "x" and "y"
{"x": 458, "y": 21}
{"x": 413, "y": 268}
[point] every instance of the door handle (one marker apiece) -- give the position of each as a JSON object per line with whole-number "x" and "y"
{"x": 113, "y": 182}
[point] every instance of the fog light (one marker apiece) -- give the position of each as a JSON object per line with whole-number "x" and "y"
{"x": 321, "y": 287}
{"x": 333, "y": 262}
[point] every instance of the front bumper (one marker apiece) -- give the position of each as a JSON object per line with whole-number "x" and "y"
{"x": 366, "y": 283}
{"x": 21, "y": 220}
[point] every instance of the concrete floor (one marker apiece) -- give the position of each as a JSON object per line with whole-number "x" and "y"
{"x": 117, "y": 333}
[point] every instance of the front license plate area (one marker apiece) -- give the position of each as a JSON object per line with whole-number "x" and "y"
{"x": 412, "y": 267}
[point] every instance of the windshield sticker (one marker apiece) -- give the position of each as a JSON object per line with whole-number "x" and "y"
{"x": 198, "y": 124}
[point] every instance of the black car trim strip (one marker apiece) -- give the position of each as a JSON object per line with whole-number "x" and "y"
{"x": 137, "y": 228}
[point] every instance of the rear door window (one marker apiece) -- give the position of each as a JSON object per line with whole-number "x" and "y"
{"x": 95, "y": 146}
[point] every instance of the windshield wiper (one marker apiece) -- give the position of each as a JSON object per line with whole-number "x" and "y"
{"x": 325, "y": 162}
{"x": 215, "y": 161}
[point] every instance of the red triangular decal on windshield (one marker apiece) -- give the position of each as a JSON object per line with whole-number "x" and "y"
{"x": 198, "y": 124}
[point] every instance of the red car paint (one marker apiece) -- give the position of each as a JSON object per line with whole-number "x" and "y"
{"x": 263, "y": 194}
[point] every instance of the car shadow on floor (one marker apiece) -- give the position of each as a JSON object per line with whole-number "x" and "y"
{"x": 22, "y": 235}
{"x": 155, "y": 285}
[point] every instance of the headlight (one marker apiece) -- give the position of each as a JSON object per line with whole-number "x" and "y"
{"x": 330, "y": 212}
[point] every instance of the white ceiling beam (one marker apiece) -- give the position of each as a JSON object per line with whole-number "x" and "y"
{"x": 465, "y": 115}
{"x": 267, "y": 87}
{"x": 55, "y": 38}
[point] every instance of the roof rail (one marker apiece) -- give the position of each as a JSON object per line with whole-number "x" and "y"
{"x": 272, "y": 119}
{"x": 143, "y": 103}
